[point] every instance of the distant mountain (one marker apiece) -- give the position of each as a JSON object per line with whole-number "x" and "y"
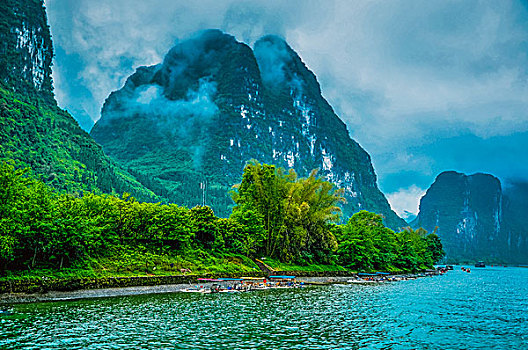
{"x": 476, "y": 218}
{"x": 515, "y": 214}
{"x": 34, "y": 132}
{"x": 186, "y": 127}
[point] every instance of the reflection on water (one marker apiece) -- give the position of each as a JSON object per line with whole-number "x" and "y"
{"x": 487, "y": 309}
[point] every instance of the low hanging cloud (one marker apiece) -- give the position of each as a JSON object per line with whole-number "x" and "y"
{"x": 401, "y": 74}
{"x": 187, "y": 119}
{"x": 406, "y": 201}
{"x": 149, "y": 100}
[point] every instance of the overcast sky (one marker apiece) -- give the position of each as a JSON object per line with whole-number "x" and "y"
{"x": 424, "y": 86}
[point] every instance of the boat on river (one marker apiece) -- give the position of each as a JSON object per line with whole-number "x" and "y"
{"x": 480, "y": 264}
{"x": 196, "y": 290}
{"x": 370, "y": 278}
{"x": 362, "y": 281}
{"x": 243, "y": 284}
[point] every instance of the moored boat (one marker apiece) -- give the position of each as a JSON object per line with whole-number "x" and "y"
{"x": 361, "y": 281}
{"x": 196, "y": 290}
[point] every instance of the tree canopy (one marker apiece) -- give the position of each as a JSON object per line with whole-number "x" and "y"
{"x": 295, "y": 213}
{"x": 366, "y": 244}
{"x": 277, "y": 214}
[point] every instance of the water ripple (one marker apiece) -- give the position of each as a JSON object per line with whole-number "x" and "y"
{"x": 483, "y": 310}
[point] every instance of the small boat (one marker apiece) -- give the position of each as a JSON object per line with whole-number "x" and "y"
{"x": 197, "y": 289}
{"x": 362, "y": 281}
{"x": 480, "y": 264}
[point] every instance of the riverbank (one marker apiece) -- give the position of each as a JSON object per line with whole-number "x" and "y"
{"x": 45, "y": 284}
{"x": 16, "y": 298}
{"x": 125, "y": 286}
{"x": 42, "y": 281}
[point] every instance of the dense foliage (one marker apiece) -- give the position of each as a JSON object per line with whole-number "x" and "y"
{"x": 41, "y": 228}
{"x": 296, "y": 214}
{"x": 365, "y": 243}
{"x": 37, "y": 134}
{"x": 277, "y": 214}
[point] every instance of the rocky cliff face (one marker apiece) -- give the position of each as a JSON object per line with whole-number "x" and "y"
{"x": 189, "y": 125}
{"x": 515, "y": 211}
{"x": 34, "y": 132}
{"x": 26, "y": 50}
{"x": 474, "y": 218}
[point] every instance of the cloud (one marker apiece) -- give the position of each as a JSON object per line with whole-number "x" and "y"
{"x": 148, "y": 100}
{"x": 272, "y": 56}
{"x": 102, "y": 43}
{"x": 188, "y": 119}
{"x": 401, "y": 74}
{"x": 406, "y": 201}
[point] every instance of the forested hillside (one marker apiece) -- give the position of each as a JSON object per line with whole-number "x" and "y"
{"x": 34, "y": 132}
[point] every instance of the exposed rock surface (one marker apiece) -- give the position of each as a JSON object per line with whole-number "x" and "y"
{"x": 26, "y": 50}
{"x": 476, "y": 218}
{"x": 187, "y": 126}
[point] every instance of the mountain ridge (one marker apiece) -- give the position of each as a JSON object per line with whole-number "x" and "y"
{"x": 215, "y": 103}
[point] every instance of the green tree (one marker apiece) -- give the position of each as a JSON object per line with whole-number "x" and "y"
{"x": 249, "y": 240}
{"x": 295, "y": 213}
{"x": 434, "y": 245}
{"x": 204, "y": 227}
{"x": 12, "y": 187}
{"x": 366, "y": 244}
{"x": 263, "y": 189}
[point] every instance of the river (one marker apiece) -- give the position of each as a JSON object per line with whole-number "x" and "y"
{"x": 484, "y": 309}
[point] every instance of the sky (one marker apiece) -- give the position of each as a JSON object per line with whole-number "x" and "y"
{"x": 424, "y": 86}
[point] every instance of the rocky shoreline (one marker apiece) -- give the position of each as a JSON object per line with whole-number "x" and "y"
{"x": 44, "y": 284}
{"x": 38, "y": 290}
{"x": 16, "y": 298}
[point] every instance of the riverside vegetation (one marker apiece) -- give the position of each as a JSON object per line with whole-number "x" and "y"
{"x": 290, "y": 220}
{"x": 79, "y": 213}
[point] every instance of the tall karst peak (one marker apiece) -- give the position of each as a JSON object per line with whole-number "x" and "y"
{"x": 476, "y": 218}
{"x": 26, "y": 50}
{"x": 191, "y": 123}
{"x": 34, "y": 131}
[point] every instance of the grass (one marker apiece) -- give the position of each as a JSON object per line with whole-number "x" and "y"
{"x": 143, "y": 262}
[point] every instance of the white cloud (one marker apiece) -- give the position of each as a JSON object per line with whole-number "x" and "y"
{"x": 406, "y": 201}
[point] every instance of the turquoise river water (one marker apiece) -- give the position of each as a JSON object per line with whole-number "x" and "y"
{"x": 484, "y": 309}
